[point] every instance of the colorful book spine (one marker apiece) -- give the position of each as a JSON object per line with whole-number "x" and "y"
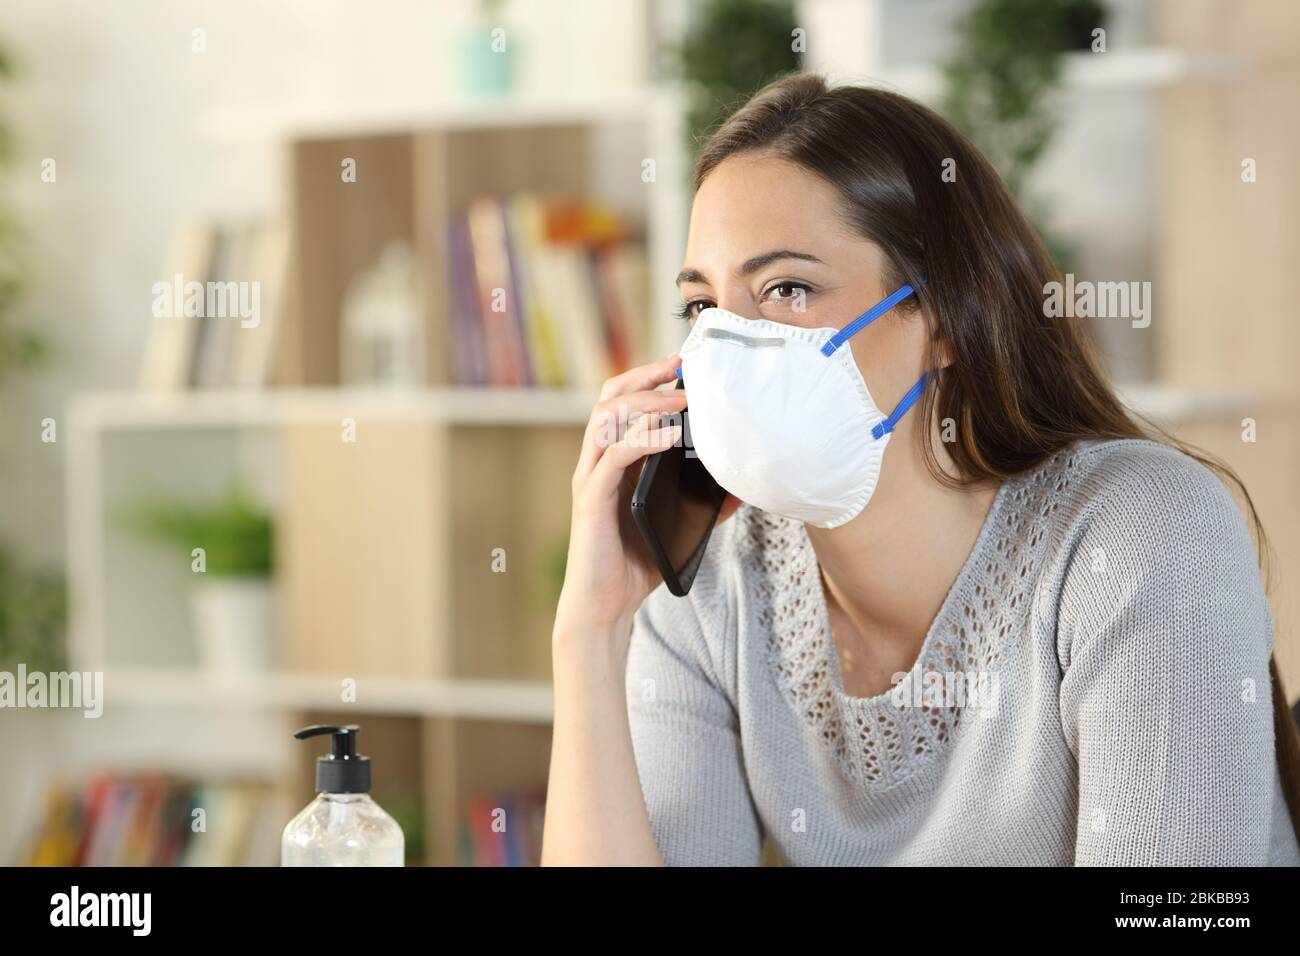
{"x": 498, "y": 309}
{"x": 502, "y": 829}
{"x": 524, "y": 236}
{"x": 543, "y": 293}
{"x": 465, "y": 322}
{"x": 149, "y": 820}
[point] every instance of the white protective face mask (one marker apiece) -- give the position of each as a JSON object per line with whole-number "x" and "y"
{"x": 780, "y": 415}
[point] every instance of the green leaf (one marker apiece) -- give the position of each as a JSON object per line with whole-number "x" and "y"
{"x": 236, "y": 534}
{"x": 733, "y": 48}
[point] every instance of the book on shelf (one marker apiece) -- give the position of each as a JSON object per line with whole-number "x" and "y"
{"x": 217, "y": 309}
{"x": 544, "y": 292}
{"x": 502, "y": 829}
{"x": 498, "y": 301}
{"x": 169, "y": 352}
{"x": 144, "y": 819}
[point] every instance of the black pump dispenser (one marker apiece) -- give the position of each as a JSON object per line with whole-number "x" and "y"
{"x": 343, "y": 770}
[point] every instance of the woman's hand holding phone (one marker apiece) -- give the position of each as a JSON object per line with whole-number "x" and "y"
{"x": 609, "y": 570}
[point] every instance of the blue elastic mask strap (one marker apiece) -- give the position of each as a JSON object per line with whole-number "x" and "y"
{"x": 906, "y": 402}
{"x": 865, "y": 319}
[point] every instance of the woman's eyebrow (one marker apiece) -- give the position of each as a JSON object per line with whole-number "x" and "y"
{"x": 751, "y": 265}
{"x": 754, "y": 263}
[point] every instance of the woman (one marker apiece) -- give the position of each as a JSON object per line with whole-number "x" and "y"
{"x": 1025, "y": 635}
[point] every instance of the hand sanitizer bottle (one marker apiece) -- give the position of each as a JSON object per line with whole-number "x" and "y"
{"x": 342, "y": 826}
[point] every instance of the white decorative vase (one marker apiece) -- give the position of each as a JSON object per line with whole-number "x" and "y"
{"x": 234, "y": 626}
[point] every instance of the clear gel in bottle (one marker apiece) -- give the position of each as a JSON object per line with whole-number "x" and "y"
{"x": 343, "y": 826}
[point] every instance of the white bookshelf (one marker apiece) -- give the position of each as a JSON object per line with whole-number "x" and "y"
{"x": 243, "y": 426}
{"x": 251, "y": 419}
{"x": 515, "y": 701}
{"x": 308, "y": 120}
{"x": 218, "y": 408}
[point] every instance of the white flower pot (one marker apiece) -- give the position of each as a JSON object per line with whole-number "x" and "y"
{"x": 234, "y": 626}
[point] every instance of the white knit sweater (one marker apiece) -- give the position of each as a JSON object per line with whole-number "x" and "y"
{"x": 1113, "y": 603}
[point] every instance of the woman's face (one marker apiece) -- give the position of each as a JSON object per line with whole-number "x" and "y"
{"x": 768, "y": 241}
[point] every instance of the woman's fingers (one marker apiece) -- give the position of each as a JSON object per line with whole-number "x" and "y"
{"x": 640, "y": 440}
{"x": 611, "y": 417}
{"x": 642, "y": 377}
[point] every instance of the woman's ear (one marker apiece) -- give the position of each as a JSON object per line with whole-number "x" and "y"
{"x": 944, "y": 349}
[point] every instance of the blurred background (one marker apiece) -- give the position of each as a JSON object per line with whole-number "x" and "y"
{"x": 336, "y": 488}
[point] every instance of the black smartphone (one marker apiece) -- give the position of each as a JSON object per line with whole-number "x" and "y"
{"x": 676, "y": 504}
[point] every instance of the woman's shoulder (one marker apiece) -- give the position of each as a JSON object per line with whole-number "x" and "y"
{"x": 1141, "y": 490}
{"x": 1141, "y": 528}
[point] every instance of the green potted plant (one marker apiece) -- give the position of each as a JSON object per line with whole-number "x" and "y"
{"x": 731, "y": 49}
{"x": 33, "y": 617}
{"x": 1001, "y": 81}
{"x": 229, "y": 545}
{"x": 1006, "y": 66}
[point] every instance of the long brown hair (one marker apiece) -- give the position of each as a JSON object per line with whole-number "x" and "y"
{"x": 1020, "y": 385}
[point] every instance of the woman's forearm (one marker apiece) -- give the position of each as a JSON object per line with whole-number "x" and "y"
{"x": 595, "y": 810}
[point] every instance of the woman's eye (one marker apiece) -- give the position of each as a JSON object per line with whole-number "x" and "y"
{"x": 786, "y": 293}
{"x": 691, "y": 310}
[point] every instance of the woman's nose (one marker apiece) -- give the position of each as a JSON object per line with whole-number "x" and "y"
{"x": 742, "y": 305}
